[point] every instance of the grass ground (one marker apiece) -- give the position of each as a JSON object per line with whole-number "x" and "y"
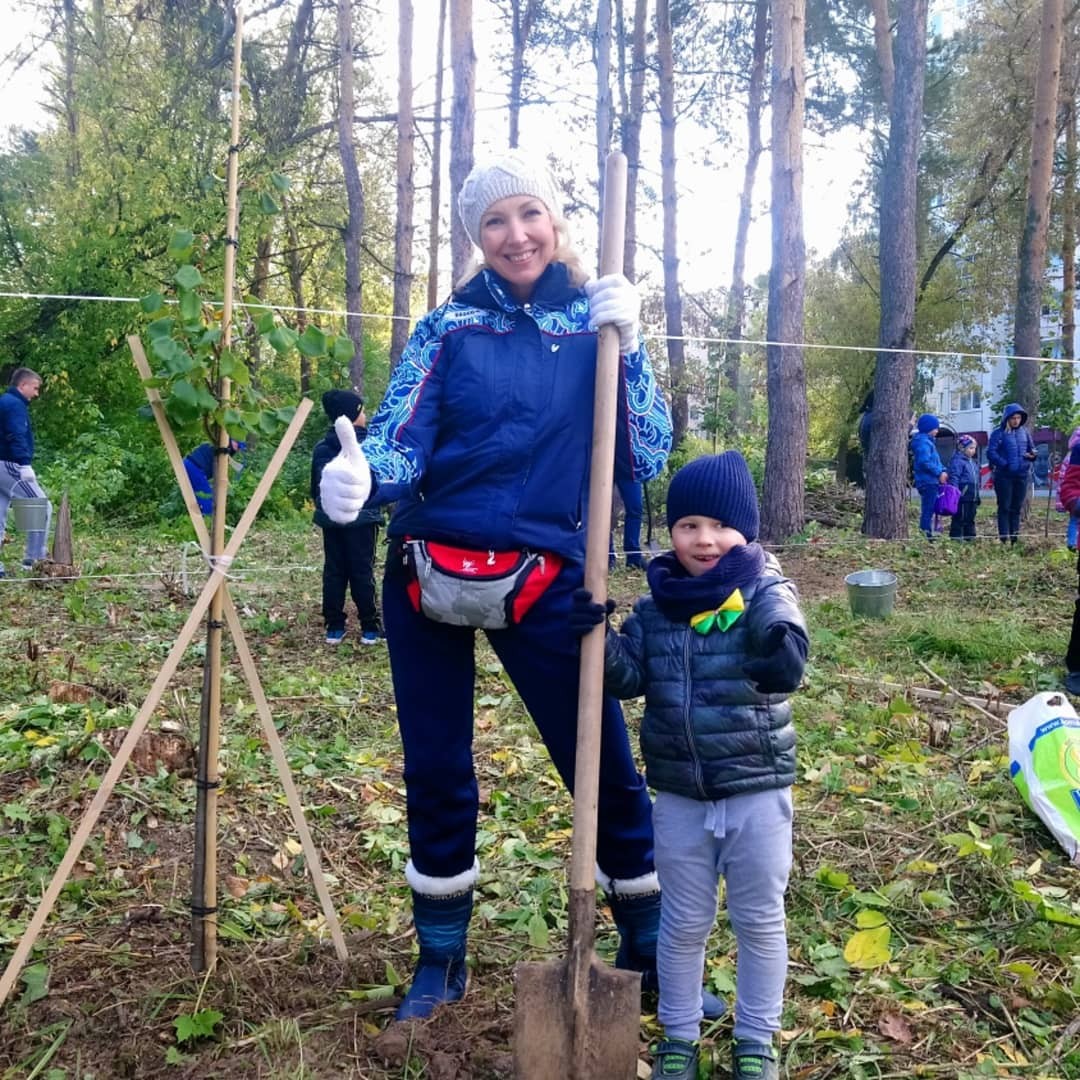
{"x": 934, "y": 922}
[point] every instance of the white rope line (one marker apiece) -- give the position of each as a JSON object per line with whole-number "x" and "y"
{"x": 652, "y": 335}
{"x": 236, "y": 574}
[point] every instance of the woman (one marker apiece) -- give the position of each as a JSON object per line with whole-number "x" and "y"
{"x": 483, "y": 442}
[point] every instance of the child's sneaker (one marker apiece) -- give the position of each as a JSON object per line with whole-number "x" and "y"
{"x": 675, "y": 1059}
{"x": 334, "y": 637}
{"x": 370, "y": 637}
{"x": 753, "y": 1061}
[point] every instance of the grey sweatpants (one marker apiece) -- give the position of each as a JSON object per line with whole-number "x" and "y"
{"x": 11, "y": 487}
{"x": 745, "y": 839}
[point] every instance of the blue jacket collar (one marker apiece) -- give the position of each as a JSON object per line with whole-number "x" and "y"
{"x": 14, "y": 390}
{"x": 488, "y": 290}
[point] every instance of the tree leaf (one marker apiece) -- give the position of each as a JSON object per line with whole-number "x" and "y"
{"x": 867, "y": 920}
{"x": 152, "y": 302}
{"x": 267, "y": 204}
{"x": 183, "y": 391}
{"x": 343, "y": 349}
{"x": 190, "y": 305}
{"x": 36, "y": 979}
{"x": 181, "y": 242}
{"x": 282, "y": 339}
{"x": 280, "y": 181}
{"x": 868, "y": 949}
{"x": 187, "y": 277}
{"x": 312, "y": 342}
{"x": 265, "y": 322}
{"x": 538, "y": 931}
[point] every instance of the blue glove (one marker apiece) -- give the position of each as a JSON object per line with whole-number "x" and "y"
{"x": 585, "y": 613}
{"x": 779, "y": 667}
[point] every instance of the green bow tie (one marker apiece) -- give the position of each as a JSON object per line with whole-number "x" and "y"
{"x": 722, "y": 617}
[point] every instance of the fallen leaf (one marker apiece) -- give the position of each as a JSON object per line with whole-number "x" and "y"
{"x": 895, "y": 1027}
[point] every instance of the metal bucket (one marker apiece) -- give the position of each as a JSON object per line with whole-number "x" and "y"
{"x": 31, "y": 515}
{"x": 871, "y": 593}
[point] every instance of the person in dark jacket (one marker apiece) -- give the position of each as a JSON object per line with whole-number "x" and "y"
{"x": 964, "y": 474}
{"x": 1069, "y": 489}
{"x": 631, "y": 492}
{"x": 716, "y": 648}
{"x": 1010, "y": 452}
{"x": 929, "y": 472}
{"x": 199, "y": 466}
{"x": 348, "y": 550}
{"x": 17, "y": 477}
{"x": 483, "y": 443}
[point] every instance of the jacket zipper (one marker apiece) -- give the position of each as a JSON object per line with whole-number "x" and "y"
{"x": 687, "y": 725}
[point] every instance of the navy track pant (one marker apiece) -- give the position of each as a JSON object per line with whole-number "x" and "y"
{"x": 434, "y": 676}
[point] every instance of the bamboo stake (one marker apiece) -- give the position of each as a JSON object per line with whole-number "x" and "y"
{"x": 247, "y": 663}
{"x": 204, "y": 876}
{"x": 172, "y": 661}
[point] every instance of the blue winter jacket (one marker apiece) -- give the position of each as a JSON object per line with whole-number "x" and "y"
{"x": 484, "y": 435}
{"x": 926, "y": 462}
{"x": 326, "y": 449}
{"x": 707, "y": 732}
{"x": 1007, "y": 447}
{"x": 16, "y": 435}
{"x": 964, "y": 474}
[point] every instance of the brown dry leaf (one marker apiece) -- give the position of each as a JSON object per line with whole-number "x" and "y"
{"x": 237, "y": 886}
{"x": 894, "y": 1026}
{"x": 280, "y": 860}
{"x": 66, "y": 693}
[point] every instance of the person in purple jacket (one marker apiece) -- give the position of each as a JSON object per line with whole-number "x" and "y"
{"x": 483, "y": 442}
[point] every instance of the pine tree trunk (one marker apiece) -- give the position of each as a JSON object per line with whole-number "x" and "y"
{"x": 736, "y": 305}
{"x": 604, "y": 105}
{"x": 672, "y": 298}
{"x": 436, "y": 167}
{"x": 294, "y": 265}
{"x": 887, "y": 490}
{"x": 403, "y": 228}
{"x": 1068, "y": 239}
{"x": 782, "y": 506}
{"x": 463, "y": 63}
{"x": 522, "y": 14}
{"x": 354, "y": 194}
{"x": 631, "y": 137}
{"x": 1032, "y": 257}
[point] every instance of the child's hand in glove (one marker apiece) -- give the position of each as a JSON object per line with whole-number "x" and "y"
{"x": 346, "y": 481}
{"x": 612, "y": 299}
{"x": 779, "y": 667}
{"x": 585, "y": 613}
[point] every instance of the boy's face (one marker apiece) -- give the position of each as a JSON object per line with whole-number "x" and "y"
{"x": 1014, "y": 420}
{"x": 701, "y": 542}
{"x": 361, "y": 419}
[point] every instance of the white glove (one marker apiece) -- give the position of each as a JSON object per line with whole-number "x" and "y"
{"x": 26, "y": 472}
{"x": 612, "y": 299}
{"x": 346, "y": 481}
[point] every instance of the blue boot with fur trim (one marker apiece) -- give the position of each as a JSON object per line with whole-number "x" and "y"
{"x": 635, "y": 907}
{"x": 441, "y": 919}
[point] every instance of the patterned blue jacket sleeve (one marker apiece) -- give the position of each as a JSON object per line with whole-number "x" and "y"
{"x": 402, "y": 431}
{"x": 643, "y": 419}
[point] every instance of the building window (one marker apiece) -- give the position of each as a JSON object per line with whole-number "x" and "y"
{"x": 964, "y": 400}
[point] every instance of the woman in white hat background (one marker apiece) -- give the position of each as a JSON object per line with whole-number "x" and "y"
{"x": 483, "y": 442}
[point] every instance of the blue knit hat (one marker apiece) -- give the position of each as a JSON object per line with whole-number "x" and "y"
{"x": 719, "y": 487}
{"x": 927, "y": 423}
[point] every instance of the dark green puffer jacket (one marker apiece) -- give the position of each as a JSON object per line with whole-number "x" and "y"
{"x": 707, "y": 733}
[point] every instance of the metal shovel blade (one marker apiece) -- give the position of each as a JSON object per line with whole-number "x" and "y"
{"x": 556, "y": 1037}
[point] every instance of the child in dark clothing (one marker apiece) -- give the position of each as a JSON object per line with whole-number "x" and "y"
{"x": 964, "y": 474}
{"x": 929, "y": 472}
{"x": 716, "y": 648}
{"x": 349, "y": 550}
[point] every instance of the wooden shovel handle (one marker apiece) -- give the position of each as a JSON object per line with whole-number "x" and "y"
{"x": 601, "y": 478}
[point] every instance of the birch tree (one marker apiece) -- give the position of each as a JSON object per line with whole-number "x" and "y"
{"x": 403, "y": 227}
{"x": 785, "y": 453}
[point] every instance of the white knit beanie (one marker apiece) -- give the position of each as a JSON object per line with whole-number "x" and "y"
{"x": 511, "y": 173}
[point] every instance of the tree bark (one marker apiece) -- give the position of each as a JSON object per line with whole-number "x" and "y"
{"x": 403, "y": 228}
{"x": 1032, "y": 257}
{"x": 463, "y": 61}
{"x": 783, "y": 508}
{"x": 522, "y": 15}
{"x": 436, "y": 167}
{"x": 672, "y": 298}
{"x": 887, "y": 461}
{"x": 1068, "y": 238}
{"x": 883, "y": 48}
{"x": 354, "y": 194}
{"x": 631, "y": 134}
{"x": 295, "y": 267}
{"x": 604, "y": 105}
{"x": 736, "y": 305}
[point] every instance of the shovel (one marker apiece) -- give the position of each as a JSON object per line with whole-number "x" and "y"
{"x": 577, "y": 1017}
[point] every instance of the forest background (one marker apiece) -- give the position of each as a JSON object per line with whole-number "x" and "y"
{"x": 339, "y": 210}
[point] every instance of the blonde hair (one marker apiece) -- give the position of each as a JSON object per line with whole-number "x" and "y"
{"x": 565, "y": 252}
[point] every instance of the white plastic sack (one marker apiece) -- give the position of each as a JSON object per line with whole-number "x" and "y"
{"x": 1044, "y": 762}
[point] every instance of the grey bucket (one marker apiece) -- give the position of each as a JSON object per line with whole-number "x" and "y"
{"x": 31, "y": 515}
{"x": 871, "y": 593}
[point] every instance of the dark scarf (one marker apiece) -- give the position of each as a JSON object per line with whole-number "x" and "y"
{"x": 680, "y": 596}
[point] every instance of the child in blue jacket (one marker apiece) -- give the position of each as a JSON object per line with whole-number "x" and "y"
{"x": 964, "y": 474}
{"x": 348, "y": 550}
{"x": 929, "y": 472}
{"x": 716, "y": 648}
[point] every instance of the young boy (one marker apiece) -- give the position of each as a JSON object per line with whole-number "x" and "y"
{"x": 349, "y": 550}
{"x": 929, "y": 472}
{"x": 716, "y": 648}
{"x": 964, "y": 474}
